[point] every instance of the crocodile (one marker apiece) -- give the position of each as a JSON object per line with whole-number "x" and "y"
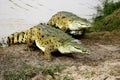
{"x": 69, "y": 23}
{"x": 48, "y": 39}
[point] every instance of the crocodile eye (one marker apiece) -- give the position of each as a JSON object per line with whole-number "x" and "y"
{"x": 42, "y": 36}
{"x": 63, "y": 17}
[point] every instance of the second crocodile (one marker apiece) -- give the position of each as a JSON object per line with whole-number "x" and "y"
{"x": 69, "y": 23}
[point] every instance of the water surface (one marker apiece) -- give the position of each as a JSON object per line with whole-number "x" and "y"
{"x": 18, "y": 15}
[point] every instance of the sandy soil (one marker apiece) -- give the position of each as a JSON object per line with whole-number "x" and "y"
{"x": 20, "y": 63}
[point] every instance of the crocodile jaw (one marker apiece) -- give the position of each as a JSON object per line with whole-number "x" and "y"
{"x": 68, "y": 49}
{"x": 73, "y": 46}
{"x": 76, "y": 32}
{"x": 76, "y": 25}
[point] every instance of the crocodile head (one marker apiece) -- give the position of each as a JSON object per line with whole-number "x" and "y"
{"x": 79, "y": 24}
{"x": 73, "y": 46}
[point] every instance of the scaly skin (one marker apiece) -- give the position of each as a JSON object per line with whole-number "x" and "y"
{"x": 69, "y": 22}
{"x": 48, "y": 39}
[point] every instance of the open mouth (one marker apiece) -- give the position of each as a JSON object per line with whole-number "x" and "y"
{"x": 77, "y": 32}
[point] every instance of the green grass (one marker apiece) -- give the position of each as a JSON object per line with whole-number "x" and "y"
{"x": 52, "y": 69}
{"x": 66, "y": 77}
{"x": 26, "y": 73}
{"x": 110, "y": 7}
{"x": 29, "y": 72}
{"x": 108, "y": 18}
{"x": 88, "y": 74}
{"x": 108, "y": 23}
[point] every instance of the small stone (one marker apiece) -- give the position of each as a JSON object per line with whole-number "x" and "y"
{"x": 49, "y": 77}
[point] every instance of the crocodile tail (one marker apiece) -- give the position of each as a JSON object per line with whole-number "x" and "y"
{"x": 16, "y": 38}
{"x": 21, "y": 37}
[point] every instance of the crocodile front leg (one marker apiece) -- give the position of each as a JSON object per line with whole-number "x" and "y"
{"x": 48, "y": 50}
